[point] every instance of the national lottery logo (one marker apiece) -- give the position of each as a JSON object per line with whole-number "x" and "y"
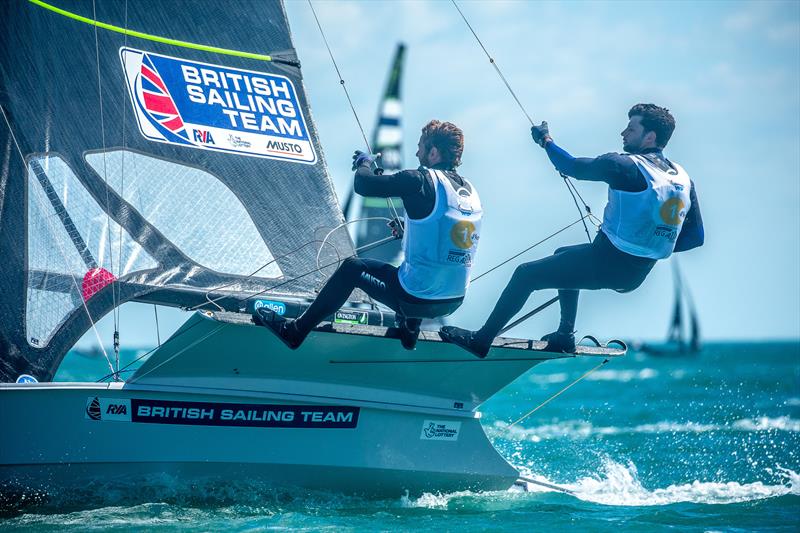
{"x": 213, "y": 107}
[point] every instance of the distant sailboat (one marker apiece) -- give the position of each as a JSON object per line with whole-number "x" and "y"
{"x": 679, "y": 341}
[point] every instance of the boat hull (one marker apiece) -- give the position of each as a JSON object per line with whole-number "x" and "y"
{"x": 57, "y": 445}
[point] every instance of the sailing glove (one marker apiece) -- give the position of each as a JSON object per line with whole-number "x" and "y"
{"x": 361, "y": 158}
{"x": 540, "y": 134}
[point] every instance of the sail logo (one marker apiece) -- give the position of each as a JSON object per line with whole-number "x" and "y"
{"x": 215, "y": 107}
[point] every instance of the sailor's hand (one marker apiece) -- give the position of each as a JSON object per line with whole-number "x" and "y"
{"x": 361, "y": 159}
{"x": 540, "y": 134}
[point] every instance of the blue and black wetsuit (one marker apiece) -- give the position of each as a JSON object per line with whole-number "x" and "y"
{"x": 599, "y": 265}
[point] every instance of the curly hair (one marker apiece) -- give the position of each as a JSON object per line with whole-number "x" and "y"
{"x": 656, "y": 119}
{"x": 448, "y": 140}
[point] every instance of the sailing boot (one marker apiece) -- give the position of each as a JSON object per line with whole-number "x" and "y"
{"x": 408, "y": 331}
{"x": 560, "y": 342}
{"x": 466, "y": 339}
{"x": 285, "y": 330}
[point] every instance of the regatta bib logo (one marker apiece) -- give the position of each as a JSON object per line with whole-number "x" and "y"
{"x": 463, "y": 234}
{"x": 460, "y": 257}
{"x": 218, "y": 108}
{"x": 672, "y": 211}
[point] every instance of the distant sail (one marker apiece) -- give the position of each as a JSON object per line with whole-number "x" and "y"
{"x": 155, "y": 166}
{"x": 388, "y": 141}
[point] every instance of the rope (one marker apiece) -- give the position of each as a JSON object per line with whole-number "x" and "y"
{"x": 389, "y": 202}
{"x": 343, "y": 224}
{"x": 554, "y": 396}
{"x": 479, "y": 276}
{"x": 527, "y": 116}
{"x": 287, "y": 254}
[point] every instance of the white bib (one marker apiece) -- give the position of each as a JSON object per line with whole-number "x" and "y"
{"x": 647, "y": 223}
{"x": 439, "y": 249}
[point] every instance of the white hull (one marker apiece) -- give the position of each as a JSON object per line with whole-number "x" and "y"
{"x": 55, "y": 444}
{"x": 387, "y": 420}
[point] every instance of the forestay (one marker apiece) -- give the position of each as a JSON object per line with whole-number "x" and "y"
{"x": 151, "y": 152}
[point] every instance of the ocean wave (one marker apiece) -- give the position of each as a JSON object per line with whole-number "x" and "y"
{"x": 623, "y": 376}
{"x": 577, "y": 429}
{"x": 548, "y": 379}
{"x": 619, "y": 484}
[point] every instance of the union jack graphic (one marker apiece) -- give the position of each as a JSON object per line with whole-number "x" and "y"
{"x": 158, "y": 103}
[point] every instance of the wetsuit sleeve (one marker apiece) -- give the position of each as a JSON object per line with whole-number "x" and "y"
{"x": 403, "y": 184}
{"x": 618, "y": 171}
{"x": 692, "y": 234}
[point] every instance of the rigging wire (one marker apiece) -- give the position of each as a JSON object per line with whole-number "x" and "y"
{"x": 115, "y": 284}
{"x": 531, "y": 247}
{"x": 343, "y": 224}
{"x": 60, "y": 246}
{"x": 105, "y": 181}
{"x": 525, "y": 112}
{"x": 389, "y": 202}
{"x": 554, "y": 396}
{"x": 319, "y": 268}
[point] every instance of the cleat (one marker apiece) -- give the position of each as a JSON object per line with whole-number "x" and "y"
{"x": 466, "y": 339}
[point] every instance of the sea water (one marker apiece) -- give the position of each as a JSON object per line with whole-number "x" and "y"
{"x": 703, "y": 443}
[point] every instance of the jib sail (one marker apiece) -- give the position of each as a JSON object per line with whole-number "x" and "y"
{"x": 153, "y": 152}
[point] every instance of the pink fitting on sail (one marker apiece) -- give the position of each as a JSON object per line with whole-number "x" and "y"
{"x": 94, "y": 280}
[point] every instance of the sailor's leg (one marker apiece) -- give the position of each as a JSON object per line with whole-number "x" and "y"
{"x": 568, "y": 300}
{"x": 568, "y": 268}
{"x": 332, "y": 295}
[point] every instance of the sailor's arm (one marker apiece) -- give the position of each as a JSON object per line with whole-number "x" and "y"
{"x": 692, "y": 234}
{"x": 402, "y": 184}
{"x": 618, "y": 171}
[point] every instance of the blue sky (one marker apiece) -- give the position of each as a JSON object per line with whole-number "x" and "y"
{"x": 729, "y": 71}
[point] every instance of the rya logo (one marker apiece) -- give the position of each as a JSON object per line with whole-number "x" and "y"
{"x": 203, "y": 137}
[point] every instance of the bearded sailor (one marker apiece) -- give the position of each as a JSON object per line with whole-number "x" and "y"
{"x": 442, "y": 227}
{"x": 652, "y": 211}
